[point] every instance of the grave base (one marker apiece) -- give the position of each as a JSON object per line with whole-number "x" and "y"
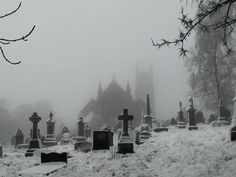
{"x": 125, "y": 145}
{"x": 161, "y": 129}
{"x": 33, "y": 146}
{"x": 192, "y": 128}
{"x": 233, "y": 133}
{"x": 49, "y": 143}
{"x": 181, "y": 125}
{"x": 83, "y": 146}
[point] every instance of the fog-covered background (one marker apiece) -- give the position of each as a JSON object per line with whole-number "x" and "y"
{"x": 78, "y": 43}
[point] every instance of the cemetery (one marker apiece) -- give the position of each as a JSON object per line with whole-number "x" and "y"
{"x": 88, "y": 94}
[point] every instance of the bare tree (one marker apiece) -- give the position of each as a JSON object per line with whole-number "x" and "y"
{"x": 5, "y": 41}
{"x": 206, "y": 9}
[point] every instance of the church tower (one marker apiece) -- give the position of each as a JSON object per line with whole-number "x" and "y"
{"x": 144, "y": 85}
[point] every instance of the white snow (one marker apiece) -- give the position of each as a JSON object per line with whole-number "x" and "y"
{"x": 178, "y": 153}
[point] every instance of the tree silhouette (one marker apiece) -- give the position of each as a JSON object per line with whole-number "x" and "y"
{"x": 5, "y": 41}
{"x": 206, "y": 10}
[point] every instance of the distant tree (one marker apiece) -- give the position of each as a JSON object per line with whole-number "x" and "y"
{"x": 199, "y": 117}
{"x": 173, "y": 121}
{"x": 212, "y": 118}
{"x": 206, "y": 9}
{"x": 6, "y": 41}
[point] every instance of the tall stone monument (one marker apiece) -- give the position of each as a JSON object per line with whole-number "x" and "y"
{"x": 148, "y": 118}
{"x": 50, "y": 138}
{"x": 35, "y": 142}
{"x": 191, "y": 116}
{"x": 1, "y": 151}
{"x": 181, "y": 123}
{"x": 125, "y": 144}
{"x": 232, "y": 129}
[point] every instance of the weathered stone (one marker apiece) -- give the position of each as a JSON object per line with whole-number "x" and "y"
{"x": 147, "y": 117}
{"x": 1, "y": 152}
{"x": 181, "y": 123}
{"x": 18, "y": 137}
{"x": 50, "y": 138}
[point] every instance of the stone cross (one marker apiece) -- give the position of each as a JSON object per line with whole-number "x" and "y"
{"x": 35, "y": 119}
{"x": 125, "y": 118}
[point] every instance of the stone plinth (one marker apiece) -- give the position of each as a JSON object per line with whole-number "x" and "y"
{"x": 125, "y": 145}
{"x": 181, "y": 123}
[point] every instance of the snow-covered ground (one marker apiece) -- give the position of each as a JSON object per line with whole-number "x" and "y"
{"x": 177, "y": 153}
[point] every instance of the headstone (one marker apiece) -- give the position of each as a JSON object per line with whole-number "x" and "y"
{"x": 65, "y": 130}
{"x": 191, "y": 116}
{"x": 222, "y": 113}
{"x": 181, "y": 123}
{"x": 102, "y": 139}
{"x": 35, "y": 142}
{"x": 1, "y": 151}
{"x": 87, "y": 131}
{"x": 148, "y": 118}
{"x": 125, "y": 144}
{"x": 50, "y": 138}
{"x": 144, "y": 133}
{"x": 65, "y": 136}
{"x": 81, "y": 142}
{"x": 18, "y": 137}
{"x": 81, "y": 127}
{"x": 232, "y": 129}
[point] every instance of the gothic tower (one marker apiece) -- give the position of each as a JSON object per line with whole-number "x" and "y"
{"x": 144, "y": 85}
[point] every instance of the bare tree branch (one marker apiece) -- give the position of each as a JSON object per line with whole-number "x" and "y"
{"x": 8, "y": 14}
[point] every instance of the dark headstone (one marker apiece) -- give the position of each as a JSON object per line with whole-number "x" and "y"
{"x": 50, "y": 138}
{"x": 102, "y": 139}
{"x": 191, "y": 116}
{"x": 1, "y": 152}
{"x": 161, "y": 129}
{"x": 181, "y": 123}
{"x": 53, "y": 157}
{"x": 18, "y": 137}
{"x": 35, "y": 142}
{"x": 148, "y": 118}
{"x": 125, "y": 144}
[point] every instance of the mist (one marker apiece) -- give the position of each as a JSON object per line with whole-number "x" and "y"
{"x": 77, "y": 44}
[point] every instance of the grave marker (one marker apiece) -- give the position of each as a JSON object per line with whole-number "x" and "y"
{"x": 1, "y": 151}
{"x": 102, "y": 139}
{"x": 181, "y": 123}
{"x": 35, "y": 142}
{"x": 125, "y": 145}
{"x": 191, "y": 116}
{"x": 18, "y": 137}
{"x": 148, "y": 118}
{"x": 50, "y": 138}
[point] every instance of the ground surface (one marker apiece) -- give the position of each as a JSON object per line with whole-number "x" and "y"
{"x": 177, "y": 153}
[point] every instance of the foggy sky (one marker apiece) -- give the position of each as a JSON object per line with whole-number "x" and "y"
{"x": 78, "y": 43}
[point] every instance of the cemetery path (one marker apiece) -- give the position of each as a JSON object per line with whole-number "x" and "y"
{"x": 177, "y": 153}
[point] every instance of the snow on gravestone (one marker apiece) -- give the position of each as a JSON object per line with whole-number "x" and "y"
{"x": 102, "y": 139}
{"x": 191, "y": 116}
{"x": 125, "y": 145}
